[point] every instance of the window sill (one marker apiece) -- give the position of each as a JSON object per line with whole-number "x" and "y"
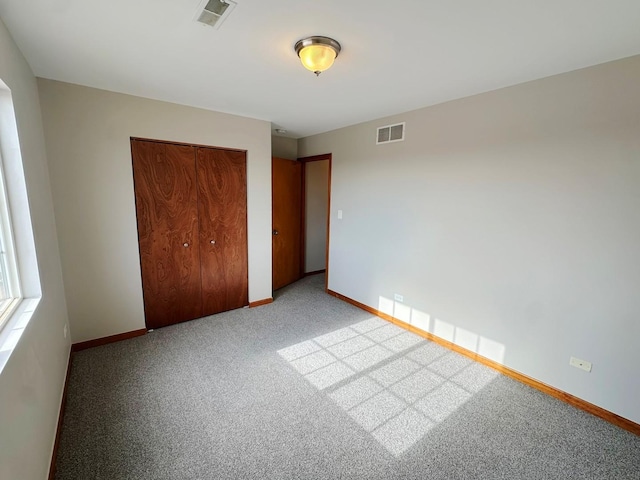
{"x": 12, "y": 331}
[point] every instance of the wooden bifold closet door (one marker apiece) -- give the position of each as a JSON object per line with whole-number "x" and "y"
{"x": 222, "y": 210}
{"x": 191, "y": 206}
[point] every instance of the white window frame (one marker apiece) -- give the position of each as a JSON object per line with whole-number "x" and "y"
{"x": 8, "y": 264}
{"x": 19, "y": 259}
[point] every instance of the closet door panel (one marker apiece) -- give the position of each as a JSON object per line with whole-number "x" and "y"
{"x": 222, "y": 210}
{"x": 166, "y": 206}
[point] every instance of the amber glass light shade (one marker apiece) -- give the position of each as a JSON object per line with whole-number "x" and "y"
{"x": 317, "y": 53}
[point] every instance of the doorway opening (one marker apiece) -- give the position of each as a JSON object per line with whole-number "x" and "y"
{"x": 301, "y": 204}
{"x": 316, "y": 197}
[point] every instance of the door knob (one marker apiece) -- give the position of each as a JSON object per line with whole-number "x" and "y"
{"x": 185, "y": 244}
{"x": 275, "y": 232}
{"x": 212, "y": 242}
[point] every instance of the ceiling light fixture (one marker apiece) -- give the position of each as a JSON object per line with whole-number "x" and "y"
{"x": 317, "y": 53}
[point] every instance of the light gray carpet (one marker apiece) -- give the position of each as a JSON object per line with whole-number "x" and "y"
{"x": 310, "y": 387}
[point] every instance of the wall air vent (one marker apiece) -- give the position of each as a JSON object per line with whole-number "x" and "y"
{"x": 214, "y": 12}
{"x": 390, "y": 133}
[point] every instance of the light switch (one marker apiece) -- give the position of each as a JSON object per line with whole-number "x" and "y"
{"x": 339, "y": 214}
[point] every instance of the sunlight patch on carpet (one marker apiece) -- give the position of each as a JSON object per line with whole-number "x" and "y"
{"x": 394, "y": 384}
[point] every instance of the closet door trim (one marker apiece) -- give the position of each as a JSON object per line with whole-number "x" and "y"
{"x": 186, "y": 144}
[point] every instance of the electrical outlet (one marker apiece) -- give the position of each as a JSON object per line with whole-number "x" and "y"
{"x": 582, "y": 364}
{"x": 66, "y": 330}
{"x": 398, "y": 297}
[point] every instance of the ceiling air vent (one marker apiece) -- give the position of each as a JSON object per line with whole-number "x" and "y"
{"x": 214, "y": 12}
{"x": 390, "y": 133}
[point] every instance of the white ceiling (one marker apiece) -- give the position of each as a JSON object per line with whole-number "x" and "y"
{"x": 397, "y": 55}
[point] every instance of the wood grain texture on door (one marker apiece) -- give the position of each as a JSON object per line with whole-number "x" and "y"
{"x": 166, "y": 207}
{"x": 286, "y": 184}
{"x": 222, "y": 207}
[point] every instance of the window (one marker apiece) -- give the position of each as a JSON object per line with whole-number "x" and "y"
{"x": 10, "y": 287}
{"x": 19, "y": 295}
{"x": 9, "y": 282}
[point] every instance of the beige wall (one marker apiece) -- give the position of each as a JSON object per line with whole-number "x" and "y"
{"x": 32, "y": 380}
{"x": 510, "y": 223}
{"x": 284, "y": 147}
{"x": 316, "y": 204}
{"x": 88, "y": 144}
